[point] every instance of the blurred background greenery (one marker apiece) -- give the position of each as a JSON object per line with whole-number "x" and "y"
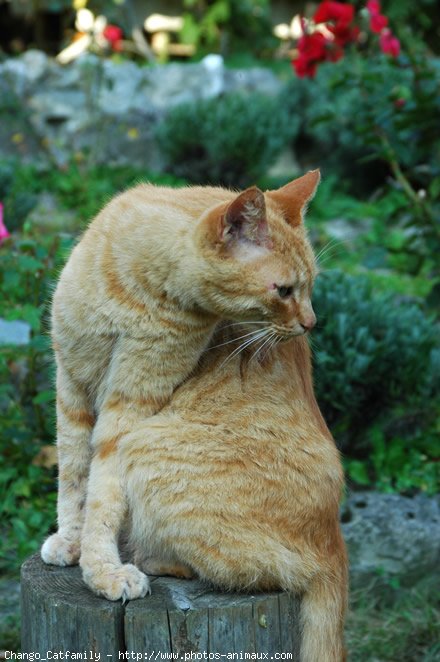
{"x": 370, "y": 121}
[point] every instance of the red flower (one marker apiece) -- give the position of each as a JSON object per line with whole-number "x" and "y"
{"x": 373, "y": 6}
{"x": 378, "y": 23}
{"x": 389, "y": 44}
{"x": 344, "y": 34}
{"x": 338, "y": 12}
{"x": 113, "y": 34}
{"x": 312, "y": 49}
{"x": 304, "y": 67}
{"x": 313, "y": 46}
{"x": 338, "y": 17}
{"x": 316, "y": 47}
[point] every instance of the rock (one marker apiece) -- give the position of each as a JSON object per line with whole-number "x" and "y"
{"x": 391, "y": 537}
{"x": 36, "y": 65}
{"x": 13, "y": 76}
{"x": 14, "y": 332}
{"x": 108, "y": 110}
{"x": 121, "y": 89}
{"x": 252, "y": 80}
{"x": 174, "y": 84}
{"x": 347, "y": 230}
{"x": 285, "y": 166}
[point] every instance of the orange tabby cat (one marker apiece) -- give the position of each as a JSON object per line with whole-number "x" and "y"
{"x": 136, "y": 306}
{"x": 238, "y": 481}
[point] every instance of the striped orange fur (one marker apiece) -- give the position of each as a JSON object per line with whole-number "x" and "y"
{"x": 238, "y": 480}
{"x": 172, "y": 384}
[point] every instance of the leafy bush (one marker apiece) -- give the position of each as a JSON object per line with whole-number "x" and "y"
{"x": 377, "y": 364}
{"x": 30, "y": 262}
{"x": 366, "y": 130}
{"x": 231, "y": 140}
{"x": 27, "y": 489}
{"x": 350, "y": 107}
{"x": 17, "y": 203}
{"x": 83, "y": 190}
{"x": 227, "y": 26}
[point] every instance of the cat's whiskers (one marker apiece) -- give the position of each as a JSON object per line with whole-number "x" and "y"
{"x": 266, "y": 341}
{"x": 272, "y": 345}
{"x": 257, "y": 335}
{"x": 242, "y": 323}
{"x": 228, "y": 342}
{"x": 331, "y": 245}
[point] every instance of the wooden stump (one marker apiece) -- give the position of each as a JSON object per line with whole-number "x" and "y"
{"x": 180, "y": 617}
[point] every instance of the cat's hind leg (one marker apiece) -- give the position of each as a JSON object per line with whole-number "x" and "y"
{"x": 155, "y": 566}
{"x": 74, "y": 427}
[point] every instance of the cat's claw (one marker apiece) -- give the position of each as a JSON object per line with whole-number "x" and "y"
{"x": 58, "y": 550}
{"x": 116, "y": 582}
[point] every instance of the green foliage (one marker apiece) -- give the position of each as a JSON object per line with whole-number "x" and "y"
{"x": 231, "y": 140}
{"x": 30, "y": 264}
{"x": 398, "y": 464}
{"x": 403, "y": 627}
{"x": 372, "y": 242}
{"x": 377, "y": 380}
{"x": 350, "y": 107}
{"x": 422, "y": 16}
{"x": 83, "y": 190}
{"x": 10, "y": 633}
{"x": 27, "y": 496}
{"x": 225, "y": 25}
{"x": 17, "y": 202}
{"x": 353, "y": 114}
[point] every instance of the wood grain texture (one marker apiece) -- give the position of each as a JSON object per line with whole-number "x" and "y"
{"x": 59, "y": 613}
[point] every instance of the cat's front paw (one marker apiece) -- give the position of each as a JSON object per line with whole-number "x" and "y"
{"x": 58, "y": 550}
{"x": 116, "y": 582}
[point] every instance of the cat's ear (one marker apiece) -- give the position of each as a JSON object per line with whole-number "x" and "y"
{"x": 294, "y": 197}
{"x": 245, "y": 219}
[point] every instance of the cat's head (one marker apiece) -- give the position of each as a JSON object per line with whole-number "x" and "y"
{"x": 258, "y": 263}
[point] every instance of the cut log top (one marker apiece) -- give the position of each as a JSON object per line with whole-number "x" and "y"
{"x": 181, "y": 617}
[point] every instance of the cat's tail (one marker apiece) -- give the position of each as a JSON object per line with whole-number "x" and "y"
{"x": 323, "y": 608}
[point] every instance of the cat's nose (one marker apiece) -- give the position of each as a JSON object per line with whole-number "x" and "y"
{"x": 308, "y": 322}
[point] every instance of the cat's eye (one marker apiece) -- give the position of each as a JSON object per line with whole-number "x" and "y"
{"x": 285, "y": 291}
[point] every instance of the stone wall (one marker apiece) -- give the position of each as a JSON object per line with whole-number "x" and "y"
{"x": 104, "y": 109}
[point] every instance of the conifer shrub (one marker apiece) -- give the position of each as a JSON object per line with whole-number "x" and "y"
{"x": 377, "y": 362}
{"x": 231, "y": 140}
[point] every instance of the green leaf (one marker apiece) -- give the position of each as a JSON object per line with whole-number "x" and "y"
{"x": 190, "y": 31}
{"x": 28, "y": 313}
{"x": 358, "y": 472}
{"x": 44, "y": 396}
{"x": 434, "y": 188}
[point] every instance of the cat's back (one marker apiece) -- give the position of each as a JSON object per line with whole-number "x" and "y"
{"x": 160, "y": 208}
{"x": 144, "y": 222}
{"x": 111, "y": 284}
